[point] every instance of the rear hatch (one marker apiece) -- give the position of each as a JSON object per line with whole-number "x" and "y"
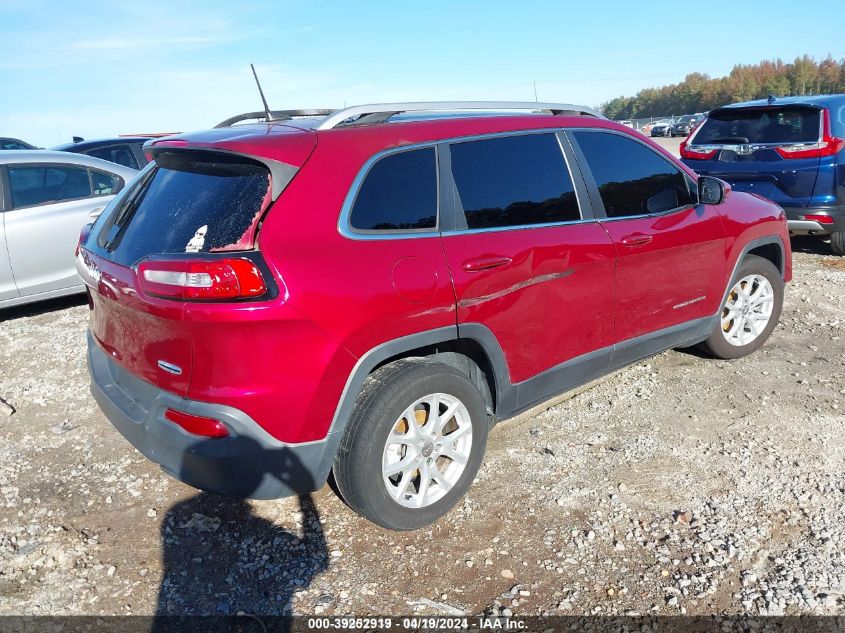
{"x": 773, "y": 151}
{"x": 183, "y": 231}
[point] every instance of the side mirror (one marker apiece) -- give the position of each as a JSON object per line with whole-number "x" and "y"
{"x": 712, "y": 190}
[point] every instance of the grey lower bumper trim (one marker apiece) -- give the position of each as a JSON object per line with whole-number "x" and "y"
{"x": 249, "y": 463}
{"x": 806, "y": 226}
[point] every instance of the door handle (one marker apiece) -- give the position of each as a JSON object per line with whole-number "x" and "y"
{"x": 95, "y": 213}
{"x": 478, "y": 264}
{"x": 636, "y": 239}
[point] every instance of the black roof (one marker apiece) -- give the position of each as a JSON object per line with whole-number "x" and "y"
{"x": 102, "y": 142}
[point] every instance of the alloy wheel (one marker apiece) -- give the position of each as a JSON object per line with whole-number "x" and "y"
{"x": 748, "y": 309}
{"x": 427, "y": 450}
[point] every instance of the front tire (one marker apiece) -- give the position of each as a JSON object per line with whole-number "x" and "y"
{"x": 750, "y": 311}
{"x": 414, "y": 444}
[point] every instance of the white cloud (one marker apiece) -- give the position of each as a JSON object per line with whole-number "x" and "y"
{"x": 113, "y": 43}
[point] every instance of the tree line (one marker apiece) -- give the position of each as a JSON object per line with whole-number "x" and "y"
{"x": 699, "y": 92}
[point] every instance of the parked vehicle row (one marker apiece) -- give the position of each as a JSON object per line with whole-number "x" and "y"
{"x": 681, "y": 126}
{"x": 368, "y": 294}
{"x": 235, "y": 249}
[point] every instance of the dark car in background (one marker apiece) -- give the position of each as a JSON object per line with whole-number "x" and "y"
{"x": 126, "y": 151}
{"x": 685, "y": 125}
{"x": 14, "y": 143}
{"x": 661, "y": 129}
{"x": 790, "y": 150}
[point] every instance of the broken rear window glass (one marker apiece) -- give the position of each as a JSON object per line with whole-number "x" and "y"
{"x": 190, "y": 202}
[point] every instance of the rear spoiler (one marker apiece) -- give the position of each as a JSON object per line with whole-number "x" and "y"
{"x": 280, "y": 173}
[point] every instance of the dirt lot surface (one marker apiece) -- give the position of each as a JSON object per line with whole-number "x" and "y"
{"x": 678, "y": 485}
{"x": 672, "y": 144}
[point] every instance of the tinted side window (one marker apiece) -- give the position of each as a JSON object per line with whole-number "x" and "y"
{"x": 632, "y": 179}
{"x": 120, "y": 154}
{"x": 35, "y": 184}
{"x": 513, "y": 181}
{"x": 399, "y": 193}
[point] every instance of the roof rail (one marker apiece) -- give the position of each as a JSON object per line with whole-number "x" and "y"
{"x": 380, "y": 112}
{"x": 278, "y": 115}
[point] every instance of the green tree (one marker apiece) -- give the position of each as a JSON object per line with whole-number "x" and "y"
{"x": 699, "y": 92}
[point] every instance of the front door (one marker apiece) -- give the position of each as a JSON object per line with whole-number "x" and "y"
{"x": 671, "y": 250}
{"x": 524, "y": 262}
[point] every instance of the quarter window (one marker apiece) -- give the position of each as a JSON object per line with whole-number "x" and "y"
{"x": 632, "y": 179}
{"x": 399, "y": 193}
{"x": 513, "y": 181}
{"x": 105, "y": 184}
{"x": 36, "y": 185}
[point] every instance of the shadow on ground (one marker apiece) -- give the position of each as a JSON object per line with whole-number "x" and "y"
{"x": 42, "y": 307}
{"x": 220, "y": 558}
{"x": 813, "y": 245}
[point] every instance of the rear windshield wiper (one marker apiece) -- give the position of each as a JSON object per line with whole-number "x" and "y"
{"x": 116, "y": 225}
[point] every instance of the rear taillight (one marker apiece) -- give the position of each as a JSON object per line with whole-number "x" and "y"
{"x": 821, "y": 219}
{"x": 698, "y": 153}
{"x": 828, "y": 146}
{"x": 197, "y": 424}
{"x": 201, "y": 279}
{"x": 83, "y": 235}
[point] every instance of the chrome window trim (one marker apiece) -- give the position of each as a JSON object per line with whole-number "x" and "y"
{"x": 518, "y": 227}
{"x": 639, "y": 216}
{"x": 344, "y": 224}
{"x": 345, "y": 228}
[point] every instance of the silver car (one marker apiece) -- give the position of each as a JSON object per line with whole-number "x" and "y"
{"x": 45, "y": 200}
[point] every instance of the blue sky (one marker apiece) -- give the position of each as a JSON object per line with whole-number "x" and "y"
{"x": 97, "y": 68}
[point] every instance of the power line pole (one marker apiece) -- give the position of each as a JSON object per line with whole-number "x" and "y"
{"x": 535, "y": 91}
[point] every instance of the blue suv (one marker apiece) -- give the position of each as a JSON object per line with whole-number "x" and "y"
{"x": 790, "y": 150}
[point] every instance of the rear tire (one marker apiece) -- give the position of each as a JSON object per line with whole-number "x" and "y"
{"x": 750, "y": 312}
{"x": 401, "y": 464}
{"x": 837, "y": 242}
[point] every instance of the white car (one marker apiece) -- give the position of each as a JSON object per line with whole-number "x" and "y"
{"x": 45, "y": 200}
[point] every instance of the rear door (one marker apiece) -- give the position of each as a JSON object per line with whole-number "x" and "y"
{"x": 761, "y": 150}
{"x": 671, "y": 250}
{"x": 49, "y": 205}
{"x": 525, "y": 262}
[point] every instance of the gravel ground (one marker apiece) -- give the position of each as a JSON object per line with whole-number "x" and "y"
{"x": 678, "y": 485}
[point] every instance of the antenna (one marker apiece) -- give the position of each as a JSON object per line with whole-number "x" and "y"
{"x": 261, "y": 92}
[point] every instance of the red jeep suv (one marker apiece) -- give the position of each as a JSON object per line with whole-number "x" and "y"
{"x": 367, "y": 291}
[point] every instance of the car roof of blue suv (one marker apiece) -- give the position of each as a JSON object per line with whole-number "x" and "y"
{"x": 816, "y": 100}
